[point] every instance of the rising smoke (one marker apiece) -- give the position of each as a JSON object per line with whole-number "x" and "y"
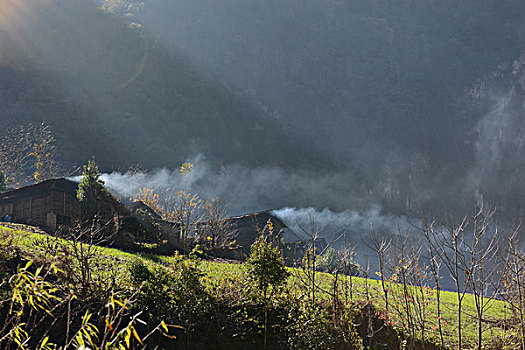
{"x": 349, "y": 226}
{"x": 246, "y": 190}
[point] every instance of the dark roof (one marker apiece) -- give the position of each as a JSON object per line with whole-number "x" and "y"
{"x": 140, "y": 205}
{"x": 61, "y": 184}
{"x": 259, "y": 217}
{"x": 290, "y": 235}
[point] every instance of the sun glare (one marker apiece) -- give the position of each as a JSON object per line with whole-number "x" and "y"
{"x": 16, "y": 16}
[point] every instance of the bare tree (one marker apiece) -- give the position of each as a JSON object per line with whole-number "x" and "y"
{"x": 15, "y": 150}
{"x": 43, "y": 153}
{"x": 310, "y": 259}
{"x": 450, "y": 244}
{"x": 77, "y": 257}
{"x": 216, "y": 228}
{"x": 403, "y": 261}
{"x": 27, "y": 154}
{"x": 468, "y": 251}
{"x": 346, "y": 259}
{"x": 514, "y": 284}
{"x": 183, "y": 209}
{"x": 485, "y": 277}
{"x": 435, "y": 266}
{"x": 421, "y": 292}
{"x": 381, "y": 247}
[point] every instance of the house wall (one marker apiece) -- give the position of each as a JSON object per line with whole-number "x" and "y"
{"x": 171, "y": 233}
{"x": 53, "y": 203}
{"x": 36, "y": 209}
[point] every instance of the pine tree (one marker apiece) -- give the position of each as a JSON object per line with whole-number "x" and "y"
{"x": 91, "y": 190}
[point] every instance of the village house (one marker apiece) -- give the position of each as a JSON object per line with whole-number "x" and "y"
{"x": 51, "y": 204}
{"x": 249, "y": 226}
{"x": 245, "y": 229}
{"x": 292, "y": 244}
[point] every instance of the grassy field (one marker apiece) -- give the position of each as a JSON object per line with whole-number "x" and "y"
{"x": 363, "y": 289}
{"x": 423, "y": 304}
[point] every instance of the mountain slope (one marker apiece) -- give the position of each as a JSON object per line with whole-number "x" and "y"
{"x": 111, "y": 91}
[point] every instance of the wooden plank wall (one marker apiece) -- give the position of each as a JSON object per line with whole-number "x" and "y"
{"x": 33, "y": 210}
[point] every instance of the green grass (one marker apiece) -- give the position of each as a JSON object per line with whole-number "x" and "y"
{"x": 220, "y": 273}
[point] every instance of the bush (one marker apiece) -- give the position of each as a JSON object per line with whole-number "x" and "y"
{"x": 265, "y": 265}
{"x": 313, "y": 326}
{"x": 172, "y": 293}
{"x": 143, "y": 227}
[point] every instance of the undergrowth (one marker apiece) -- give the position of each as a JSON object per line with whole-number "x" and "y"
{"x": 59, "y": 293}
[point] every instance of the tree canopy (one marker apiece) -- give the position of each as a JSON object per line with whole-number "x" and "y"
{"x": 91, "y": 190}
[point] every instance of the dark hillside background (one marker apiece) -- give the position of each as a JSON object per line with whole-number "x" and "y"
{"x": 409, "y": 104}
{"x": 114, "y": 92}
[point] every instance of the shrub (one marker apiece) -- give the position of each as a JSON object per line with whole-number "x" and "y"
{"x": 314, "y": 326}
{"x": 172, "y": 293}
{"x": 143, "y": 227}
{"x": 265, "y": 265}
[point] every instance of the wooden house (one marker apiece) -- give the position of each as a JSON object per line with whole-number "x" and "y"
{"x": 50, "y": 204}
{"x": 292, "y": 244}
{"x": 249, "y": 226}
{"x": 170, "y": 230}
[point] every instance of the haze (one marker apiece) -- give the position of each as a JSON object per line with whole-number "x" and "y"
{"x": 346, "y": 105}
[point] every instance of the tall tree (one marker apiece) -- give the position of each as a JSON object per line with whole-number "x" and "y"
{"x": 43, "y": 153}
{"x": 91, "y": 190}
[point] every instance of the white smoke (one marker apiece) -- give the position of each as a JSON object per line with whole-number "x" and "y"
{"x": 495, "y": 131}
{"x": 245, "y": 189}
{"x": 349, "y": 227}
{"x": 355, "y": 224}
{"x": 352, "y": 229}
{"x": 496, "y": 175}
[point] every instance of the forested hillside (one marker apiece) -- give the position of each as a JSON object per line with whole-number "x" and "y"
{"x": 114, "y": 92}
{"x": 387, "y": 91}
{"x": 409, "y": 104}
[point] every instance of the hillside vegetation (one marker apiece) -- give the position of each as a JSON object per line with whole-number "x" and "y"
{"x": 99, "y": 294}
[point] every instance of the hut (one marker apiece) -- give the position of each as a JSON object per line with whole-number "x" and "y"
{"x": 170, "y": 230}
{"x": 249, "y": 226}
{"x": 292, "y": 244}
{"x": 50, "y": 204}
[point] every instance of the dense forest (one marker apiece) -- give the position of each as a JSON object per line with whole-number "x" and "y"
{"x": 406, "y": 104}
